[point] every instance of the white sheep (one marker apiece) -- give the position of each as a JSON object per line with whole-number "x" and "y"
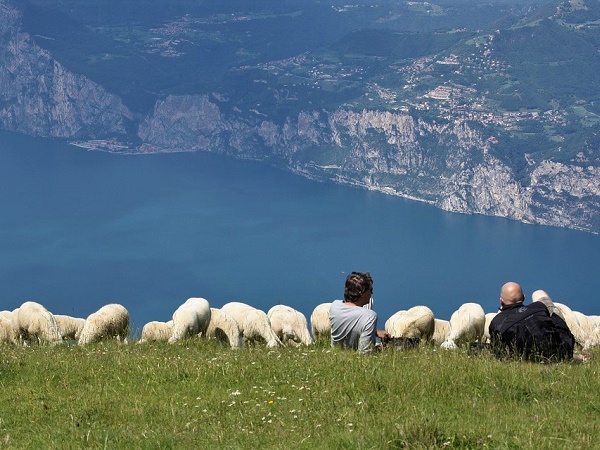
{"x": 190, "y": 319}
{"x": 417, "y": 322}
{"x": 156, "y": 331}
{"x": 595, "y": 319}
{"x": 542, "y": 296}
{"x": 485, "y": 339}
{"x": 289, "y": 325}
{"x": 32, "y": 321}
{"x": 581, "y": 326}
{"x": 224, "y": 328}
{"x": 254, "y": 323}
{"x": 320, "y": 323}
{"x": 69, "y": 327}
{"x": 590, "y": 332}
{"x": 7, "y": 332}
{"x": 110, "y": 321}
{"x": 584, "y": 328}
{"x": 440, "y": 332}
{"x": 257, "y": 328}
{"x": 573, "y": 324}
{"x": 466, "y": 326}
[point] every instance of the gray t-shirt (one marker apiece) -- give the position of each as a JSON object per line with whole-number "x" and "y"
{"x": 352, "y": 326}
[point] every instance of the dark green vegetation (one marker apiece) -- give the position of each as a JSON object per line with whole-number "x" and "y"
{"x": 532, "y": 65}
{"x": 201, "y": 395}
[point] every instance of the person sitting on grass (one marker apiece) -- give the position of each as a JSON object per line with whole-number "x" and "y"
{"x": 528, "y": 331}
{"x": 352, "y": 325}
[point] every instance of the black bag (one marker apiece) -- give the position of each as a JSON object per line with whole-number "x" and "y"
{"x": 530, "y": 332}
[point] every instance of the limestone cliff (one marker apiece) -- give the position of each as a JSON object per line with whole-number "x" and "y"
{"x": 446, "y": 162}
{"x": 449, "y": 165}
{"x": 39, "y": 97}
{"x": 566, "y": 195}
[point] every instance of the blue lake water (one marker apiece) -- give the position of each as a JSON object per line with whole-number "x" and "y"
{"x": 80, "y": 229}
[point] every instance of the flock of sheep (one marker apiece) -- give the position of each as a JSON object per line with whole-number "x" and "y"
{"x": 33, "y": 323}
{"x": 236, "y": 323}
{"x": 471, "y": 324}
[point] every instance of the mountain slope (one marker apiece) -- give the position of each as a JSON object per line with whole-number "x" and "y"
{"x": 411, "y": 99}
{"x": 39, "y": 96}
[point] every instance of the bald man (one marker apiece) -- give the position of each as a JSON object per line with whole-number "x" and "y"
{"x": 511, "y": 294}
{"x": 528, "y": 331}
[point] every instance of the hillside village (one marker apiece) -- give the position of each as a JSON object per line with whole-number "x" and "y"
{"x": 450, "y": 80}
{"x": 450, "y": 86}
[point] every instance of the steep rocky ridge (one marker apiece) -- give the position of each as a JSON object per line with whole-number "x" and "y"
{"x": 448, "y": 161}
{"x": 388, "y": 152}
{"x": 39, "y": 97}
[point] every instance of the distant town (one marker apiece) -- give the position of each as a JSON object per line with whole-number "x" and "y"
{"x": 115, "y": 146}
{"x": 445, "y": 85}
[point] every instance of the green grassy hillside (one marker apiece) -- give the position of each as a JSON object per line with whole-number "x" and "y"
{"x": 201, "y": 395}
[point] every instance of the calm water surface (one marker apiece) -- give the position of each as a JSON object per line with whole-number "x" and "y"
{"x": 81, "y": 229}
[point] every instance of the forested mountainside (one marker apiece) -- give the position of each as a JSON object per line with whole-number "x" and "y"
{"x": 475, "y": 107}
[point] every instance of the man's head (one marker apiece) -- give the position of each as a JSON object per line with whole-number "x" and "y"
{"x": 511, "y": 293}
{"x": 358, "y": 284}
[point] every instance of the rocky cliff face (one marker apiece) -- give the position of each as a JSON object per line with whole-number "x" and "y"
{"x": 38, "y": 96}
{"x": 448, "y": 165}
{"x": 566, "y": 195}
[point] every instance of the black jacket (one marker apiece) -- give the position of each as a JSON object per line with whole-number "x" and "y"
{"x": 530, "y": 332}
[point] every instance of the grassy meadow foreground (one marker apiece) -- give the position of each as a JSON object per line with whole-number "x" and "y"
{"x": 201, "y": 395}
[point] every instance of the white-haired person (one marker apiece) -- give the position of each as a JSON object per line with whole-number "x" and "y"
{"x": 352, "y": 325}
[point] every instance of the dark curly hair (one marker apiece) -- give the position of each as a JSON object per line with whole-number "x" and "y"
{"x": 357, "y": 283}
